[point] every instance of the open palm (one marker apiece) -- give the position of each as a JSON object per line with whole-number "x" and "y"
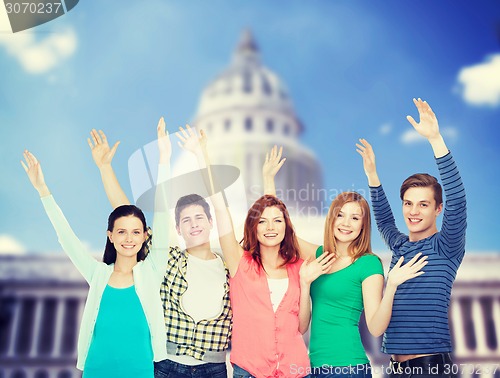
{"x": 365, "y": 149}
{"x": 33, "y": 170}
{"x": 428, "y": 126}
{"x": 101, "y": 153}
{"x": 402, "y": 273}
{"x": 273, "y": 162}
{"x": 310, "y": 270}
{"x": 190, "y": 141}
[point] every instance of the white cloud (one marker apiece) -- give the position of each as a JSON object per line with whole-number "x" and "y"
{"x": 449, "y": 133}
{"x": 9, "y": 245}
{"x": 39, "y": 56}
{"x": 480, "y": 83}
{"x": 385, "y": 129}
{"x": 411, "y": 136}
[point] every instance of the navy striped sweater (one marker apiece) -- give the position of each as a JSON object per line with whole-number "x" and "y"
{"x": 419, "y": 322}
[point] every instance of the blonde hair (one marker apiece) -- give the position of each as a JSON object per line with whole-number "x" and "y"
{"x": 362, "y": 244}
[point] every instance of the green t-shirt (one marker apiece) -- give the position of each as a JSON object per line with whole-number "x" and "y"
{"x": 337, "y": 303}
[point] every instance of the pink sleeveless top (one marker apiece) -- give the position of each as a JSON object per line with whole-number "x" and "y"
{"x": 265, "y": 343}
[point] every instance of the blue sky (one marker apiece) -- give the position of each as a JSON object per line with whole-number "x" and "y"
{"x": 351, "y": 67}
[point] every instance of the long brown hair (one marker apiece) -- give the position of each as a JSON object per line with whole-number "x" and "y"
{"x": 109, "y": 256}
{"x": 362, "y": 244}
{"x": 289, "y": 247}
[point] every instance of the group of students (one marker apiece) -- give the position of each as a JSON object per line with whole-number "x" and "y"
{"x": 154, "y": 309}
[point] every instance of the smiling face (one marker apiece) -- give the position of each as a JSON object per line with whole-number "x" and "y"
{"x": 127, "y": 236}
{"x": 194, "y": 226}
{"x": 349, "y": 223}
{"x": 420, "y": 212}
{"x": 348, "y": 226}
{"x": 271, "y": 227}
{"x": 268, "y": 230}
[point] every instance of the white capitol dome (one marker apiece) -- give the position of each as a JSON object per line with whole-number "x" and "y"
{"x": 246, "y": 110}
{"x": 245, "y": 84}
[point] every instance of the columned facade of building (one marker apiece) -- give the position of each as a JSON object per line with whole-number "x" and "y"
{"x": 42, "y": 299}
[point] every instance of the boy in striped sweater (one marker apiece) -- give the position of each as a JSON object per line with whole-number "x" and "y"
{"x": 418, "y": 335}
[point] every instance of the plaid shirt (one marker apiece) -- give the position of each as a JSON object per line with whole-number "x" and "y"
{"x": 192, "y": 339}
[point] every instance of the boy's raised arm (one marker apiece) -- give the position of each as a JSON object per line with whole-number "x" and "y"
{"x": 161, "y": 220}
{"x": 452, "y": 236}
{"x": 428, "y": 127}
{"x": 365, "y": 149}
{"x": 382, "y": 212}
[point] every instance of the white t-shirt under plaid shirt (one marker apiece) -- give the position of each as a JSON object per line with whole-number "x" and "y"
{"x": 205, "y": 340}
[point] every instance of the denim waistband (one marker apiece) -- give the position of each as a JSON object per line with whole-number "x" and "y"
{"x": 434, "y": 362}
{"x": 209, "y": 356}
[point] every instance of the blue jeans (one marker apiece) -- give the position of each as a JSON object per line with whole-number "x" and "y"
{"x": 351, "y": 371}
{"x": 432, "y": 366}
{"x": 171, "y": 369}
{"x": 241, "y": 373}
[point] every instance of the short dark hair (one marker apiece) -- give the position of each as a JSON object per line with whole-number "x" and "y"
{"x": 123, "y": 211}
{"x": 423, "y": 180}
{"x": 191, "y": 200}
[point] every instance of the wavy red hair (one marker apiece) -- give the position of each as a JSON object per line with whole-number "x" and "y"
{"x": 289, "y": 248}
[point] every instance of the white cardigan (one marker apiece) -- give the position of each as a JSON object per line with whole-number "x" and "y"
{"x": 148, "y": 276}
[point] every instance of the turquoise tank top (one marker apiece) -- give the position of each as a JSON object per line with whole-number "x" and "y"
{"x": 121, "y": 343}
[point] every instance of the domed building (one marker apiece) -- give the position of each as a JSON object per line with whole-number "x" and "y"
{"x": 245, "y": 111}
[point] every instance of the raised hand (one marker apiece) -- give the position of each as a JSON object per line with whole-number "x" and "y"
{"x": 164, "y": 144}
{"x": 402, "y": 273}
{"x": 34, "y": 171}
{"x": 365, "y": 149}
{"x": 101, "y": 153}
{"x": 273, "y": 162}
{"x": 310, "y": 270}
{"x": 190, "y": 141}
{"x": 428, "y": 126}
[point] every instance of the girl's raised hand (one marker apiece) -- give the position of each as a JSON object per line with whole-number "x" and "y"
{"x": 401, "y": 273}
{"x": 273, "y": 162}
{"x": 34, "y": 171}
{"x": 310, "y": 270}
{"x": 190, "y": 141}
{"x": 101, "y": 153}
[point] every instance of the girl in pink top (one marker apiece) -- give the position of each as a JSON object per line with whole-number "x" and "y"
{"x": 271, "y": 308}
